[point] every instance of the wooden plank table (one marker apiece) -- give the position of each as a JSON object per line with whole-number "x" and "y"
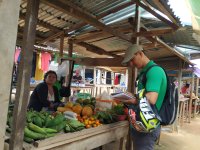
{"x": 86, "y": 139}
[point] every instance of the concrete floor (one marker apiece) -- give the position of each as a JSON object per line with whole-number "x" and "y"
{"x": 187, "y": 138}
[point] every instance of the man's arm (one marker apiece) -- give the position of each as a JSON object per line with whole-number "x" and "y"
{"x": 152, "y": 97}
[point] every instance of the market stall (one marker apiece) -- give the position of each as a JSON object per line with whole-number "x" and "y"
{"x": 99, "y": 46}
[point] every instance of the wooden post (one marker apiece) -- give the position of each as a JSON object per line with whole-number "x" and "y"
{"x": 61, "y": 45}
{"x": 190, "y": 102}
{"x": 94, "y": 82}
{"x": 9, "y": 14}
{"x": 197, "y": 95}
{"x": 133, "y": 72}
{"x": 23, "y": 84}
{"x": 70, "y": 50}
{"x": 179, "y": 90}
{"x": 197, "y": 87}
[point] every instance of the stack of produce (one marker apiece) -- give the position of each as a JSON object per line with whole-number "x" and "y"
{"x": 89, "y": 121}
{"x": 81, "y": 107}
{"x": 41, "y": 125}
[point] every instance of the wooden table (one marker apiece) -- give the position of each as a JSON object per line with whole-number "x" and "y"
{"x": 110, "y": 136}
{"x": 183, "y": 105}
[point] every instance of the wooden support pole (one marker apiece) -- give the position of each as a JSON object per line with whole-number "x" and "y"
{"x": 133, "y": 71}
{"x": 61, "y": 45}
{"x": 70, "y": 50}
{"x": 197, "y": 95}
{"x": 22, "y": 94}
{"x": 190, "y": 102}
{"x": 179, "y": 91}
{"x": 9, "y": 14}
{"x": 197, "y": 87}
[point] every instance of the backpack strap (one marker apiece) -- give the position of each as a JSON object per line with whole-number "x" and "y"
{"x": 143, "y": 74}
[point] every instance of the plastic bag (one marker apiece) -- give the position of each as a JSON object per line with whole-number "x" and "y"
{"x": 63, "y": 69}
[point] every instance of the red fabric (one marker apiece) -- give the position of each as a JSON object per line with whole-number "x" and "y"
{"x": 116, "y": 81}
{"x": 184, "y": 90}
{"x": 45, "y": 60}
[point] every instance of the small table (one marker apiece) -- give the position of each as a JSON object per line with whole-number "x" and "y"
{"x": 183, "y": 106}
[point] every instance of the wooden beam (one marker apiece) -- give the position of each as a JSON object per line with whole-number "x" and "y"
{"x": 153, "y": 32}
{"x": 97, "y": 34}
{"x": 110, "y": 62}
{"x": 77, "y": 26}
{"x": 41, "y": 23}
{"x": 20, "y": 33}
{"x": 22, "y": 93}
{"x": 65, "y": 32}
{"x": 96, "y": 49}
{"x": 9, "y": 19}
{"x": 61, "y": 45}
{"x": 80, "y": 14}
{"x": 171, "y": 24}
{"x": 52, "y": 37}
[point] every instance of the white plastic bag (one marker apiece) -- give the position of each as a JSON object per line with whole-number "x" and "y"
{"x": 63, "y": 69}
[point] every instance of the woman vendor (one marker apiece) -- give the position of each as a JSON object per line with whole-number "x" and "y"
{"x": 45, "y": 94}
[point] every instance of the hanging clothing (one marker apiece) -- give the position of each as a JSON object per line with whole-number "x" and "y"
{"x": 38, "y": 72}
{"x": 40, "y": 61}
{"x": 45, "y": 61}
{"x": 116, "y": 81}
{"x": 17, "y": 54}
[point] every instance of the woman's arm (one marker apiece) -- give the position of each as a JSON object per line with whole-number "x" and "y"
{"x": 42, "y": 91}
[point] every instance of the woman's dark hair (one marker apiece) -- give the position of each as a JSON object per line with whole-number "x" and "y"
{"x": 187, "y": 85}
{"x": 50, "y": 72}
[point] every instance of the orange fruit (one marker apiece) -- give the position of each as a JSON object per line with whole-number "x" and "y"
{"x": 88, "y": 126}
{"x": 91, "y": 118}
{"x": 94, "y": 125}
{"x": 84, "y": 117}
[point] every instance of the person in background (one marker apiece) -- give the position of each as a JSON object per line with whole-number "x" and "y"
{"x": 77, "y": 78}
{"x": 185, "y": 89}
{"x": 45, "y": 94}
{"x": 155, "y": 88}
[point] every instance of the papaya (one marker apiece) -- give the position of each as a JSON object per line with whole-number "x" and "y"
{"x": 77, "y": 109}
{"x": 61, "y": 109}
{"x": 87, "y": 111}
{"x": 69, "y": 105}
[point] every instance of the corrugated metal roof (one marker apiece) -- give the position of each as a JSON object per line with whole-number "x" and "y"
{"x": 167, "y": 7}
{"x": 55, "y": 18}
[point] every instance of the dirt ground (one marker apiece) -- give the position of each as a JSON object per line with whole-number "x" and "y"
{"x": 187, "y": 138}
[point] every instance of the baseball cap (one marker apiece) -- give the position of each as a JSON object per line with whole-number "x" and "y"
{"x": 130, "y": 53}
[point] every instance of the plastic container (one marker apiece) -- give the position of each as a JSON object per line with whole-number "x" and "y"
{"x": 84, "y": 95}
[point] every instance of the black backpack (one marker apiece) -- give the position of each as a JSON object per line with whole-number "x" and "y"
{"x": 168, "y": 110}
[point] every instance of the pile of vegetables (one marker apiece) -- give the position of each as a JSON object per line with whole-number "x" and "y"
{"x": 41, "y": 125}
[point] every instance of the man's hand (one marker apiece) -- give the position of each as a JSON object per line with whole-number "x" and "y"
{"x": 130, "y": 101}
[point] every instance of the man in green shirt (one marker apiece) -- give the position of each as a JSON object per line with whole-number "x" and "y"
{"x": 156, "y": 85}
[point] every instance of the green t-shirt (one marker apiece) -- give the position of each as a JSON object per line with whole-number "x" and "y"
{"x": 156, "y": 81}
